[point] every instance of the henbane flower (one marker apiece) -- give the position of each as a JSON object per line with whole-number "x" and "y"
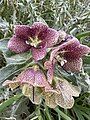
{"x": 33, "y": 82}
{"x": 32, "y": 76}
{"x": 34, "y": 85}
{"x": 69, "y": 54}
{"x": 37, "y": 37}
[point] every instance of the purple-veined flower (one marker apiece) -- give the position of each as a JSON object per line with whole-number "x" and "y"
{"x": 37, "y": 37}
{"x": 69, "y": 53}
{"x": 65, "y": 99}
{"x": 72, "y": 52}
{"x": 33, "y": 83}
{"x": 32, "y": 76}
{"x": 35, "y": 86}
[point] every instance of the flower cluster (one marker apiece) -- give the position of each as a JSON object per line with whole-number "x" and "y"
{"x": 36, "y": 38}
{"x": 65, "y": 49}
{"x": 35, "y": 86}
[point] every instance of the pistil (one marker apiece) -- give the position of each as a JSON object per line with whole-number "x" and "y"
{"x": 33, "y": 42}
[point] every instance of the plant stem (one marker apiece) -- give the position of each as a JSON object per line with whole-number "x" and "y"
{"x": 62, "y": 114}
{"x": 47, "y": 113}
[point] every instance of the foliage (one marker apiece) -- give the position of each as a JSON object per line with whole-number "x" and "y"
{"x": 73, "y": 16}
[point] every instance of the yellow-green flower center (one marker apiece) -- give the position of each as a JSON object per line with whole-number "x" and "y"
{"x": 34, "y": 42}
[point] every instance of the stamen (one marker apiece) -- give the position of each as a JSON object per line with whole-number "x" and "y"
{"x": 27, "y": 42}
{"x": 33, "y": 42}
{"x": 63, "y": 62}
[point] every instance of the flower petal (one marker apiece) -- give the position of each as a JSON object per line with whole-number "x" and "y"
{"x": 27, "y": 76}
{"x": 18, "y": 45}
{"x": 83, "y": 50}
{"x": 73, "y": 65}
{"x": 74, "y": 52}
{"x": 64, "y": 100}
{"x": 38, "y": 53}
{"x": 40, "y": 79}
{"x": 50, "y": 100}
{"x": 22, "y": 31}
{"x": 50, "y": 73}
{"x": 48, "y": 64}
{"x": 62, "y": 36}
{"x": 33, "y": 77}
{"x": 39, "y": 27}
{"x": 33, "y": 93}
{"x": 12, "y": 84}
{"x": 67, "y": 90}
{"x": 65, "y": 46}
{"x": 50, "y": 36}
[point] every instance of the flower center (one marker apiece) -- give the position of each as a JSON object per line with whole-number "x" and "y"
{"x": 61, "y": 60}
{"x": 33, "y": 42}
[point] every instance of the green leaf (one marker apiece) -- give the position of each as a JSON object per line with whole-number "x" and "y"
{"x": 87, "y": 69}
{"x": 18, "y": 58}
{"x": 86, "y": 59}
{"x": 48, "y": 116}
{"x": 83, "y": 34}
{"x": 24, "y": 107}
{"x": 3, "y": 44}
{"x": 85, "y": 110}
{"x": 85, "y": 115}
{"x": 78, "y": 113}
{"x": 2, "y": 60}
{"x": 9, "y": 70}
{"x": 62, "y": 114}
{"x": 9, "y": 102}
